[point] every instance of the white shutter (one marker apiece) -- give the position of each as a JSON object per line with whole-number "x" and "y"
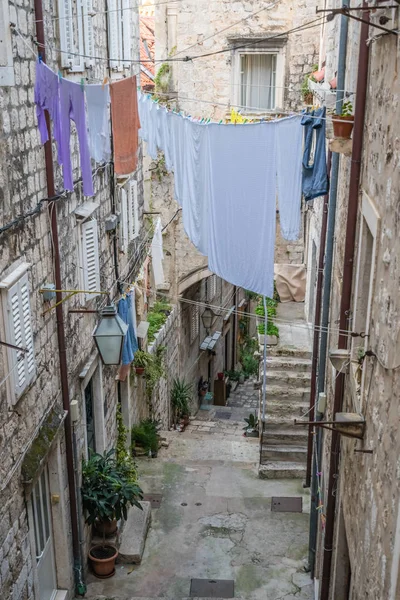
{"x": 126, "y": 32}
{"x": 79, "y": 61}
{"x": 125, "y": 237}
{"x": 88, "y": 33}
{"x": 66, "y": 32}
{"x": 90, "y": 258}
{"x": 133, "y": 211}
{"x": 194, "y": 323}
{"x": 22, "y": 364}
{"x": 114, "y": 18}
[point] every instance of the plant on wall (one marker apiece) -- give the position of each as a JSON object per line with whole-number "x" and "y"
{"x": 144, "y": 436}
{"x": 181, "y": 395}
{"x": 123, "y": 456}
{"x": 157, "y": 316}
{"x": 154, "y": 371}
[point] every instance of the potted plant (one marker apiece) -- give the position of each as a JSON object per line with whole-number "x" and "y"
{"x": 181, "y": 395}
{"x": 108, "y": 489}
{"x": 220, "y": 376}
{"x": 343, "y": 122}
{"x": 251, "y": 427}
{"x": 141, "y": 361}
{"x": 144, "y": 438}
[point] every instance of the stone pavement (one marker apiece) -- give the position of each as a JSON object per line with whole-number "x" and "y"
{"x": 245, "y": 396}
{"x": 215, "y": 520}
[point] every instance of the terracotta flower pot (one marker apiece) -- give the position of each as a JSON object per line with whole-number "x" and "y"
{"x": 107, "y": 528}
{"x": 343, "y": 126}
{"x": 102, "y": 558}
{"x": 185, "y": 420}
{"x": 139, "y": 370}
{"x": 220, "y": 376}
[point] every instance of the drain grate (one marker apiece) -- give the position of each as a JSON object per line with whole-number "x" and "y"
{"x": 287, "y": 505}
{"x": 154, "y": 499}
{"x": 222, "y": 415}
{"x": 212, "y": 588}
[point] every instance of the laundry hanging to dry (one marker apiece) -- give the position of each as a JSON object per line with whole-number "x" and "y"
{"x": 125, "y": 125}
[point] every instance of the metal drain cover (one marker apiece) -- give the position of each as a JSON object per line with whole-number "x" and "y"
{"x": 222, "y": 415}
{"x": 287, "y": 505}
{"x": 212, "y": 588}
{"x": 154, "y": 499}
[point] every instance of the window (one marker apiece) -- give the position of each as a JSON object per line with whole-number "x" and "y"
{"x": 90, "y": 258}
{"x": 211, "y": 288}
{"x": 129, "y": 214}
{"x": 18, "y": 325}
{"x": 194, "y": 323}
{"x": 119, "y": 33}
{"x": 258, "y": 80}
{"x": 6, "y": 56}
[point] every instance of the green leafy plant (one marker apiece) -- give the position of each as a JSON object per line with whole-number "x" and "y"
{"x": 157, "y": 316}
{"x": 123, "y": 456}
{"x": 142, "y": 359}
{"x": 144, "y": 435}
{"x": 272, "y": 329}
{"x": 154, "y": 371}
{"x": 251, "y": 295}
{"x": 250, "y": 365}
{"x": 162, "y": 78}
{"x": 233, "y": 375}
{"x": 181, "y": 395}
{"x": 347, "y": 109}
{"x": 107, "y": 490}
{"x": 251, "y": 422}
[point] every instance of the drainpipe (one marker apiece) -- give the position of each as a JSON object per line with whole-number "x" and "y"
{"x": 345, "y": 302}
{"x": 80, "y": 586}
{"x": 319, "y": 362}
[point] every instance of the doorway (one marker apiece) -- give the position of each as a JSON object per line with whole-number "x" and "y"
{"x": 89, "y": 411}
{"x": 43, "y": 533}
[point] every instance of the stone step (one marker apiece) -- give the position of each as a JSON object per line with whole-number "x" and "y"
{"x": 281, "y": 470}
{"x": 285, "y": 411}
{"x": 288, "y": 437}
{"x": 288, "y": 392}
{"x": 289, "y": 363}
{"x": 284, "y": 453}
{"x": 134, "y": 533}
{"x": 284, "y": 351}
{"x": 292, "y": 378}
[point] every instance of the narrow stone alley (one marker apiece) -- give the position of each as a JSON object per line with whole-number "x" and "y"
{"x": 215, "y": 520}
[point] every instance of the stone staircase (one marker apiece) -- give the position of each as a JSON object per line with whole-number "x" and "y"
{"x": 284, "y": 445}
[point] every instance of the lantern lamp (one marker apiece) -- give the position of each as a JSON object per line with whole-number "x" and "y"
{"x": 109, "y": 335}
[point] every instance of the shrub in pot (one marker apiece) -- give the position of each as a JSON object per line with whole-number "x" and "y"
{"x": 144, "y": 437}
{"x": 141, "y": 361}
{"x": 251, "y": 427}
{"x": 343, "y": 122}
{"x": 108, "y": 489}
{"x": 181, "y": 394}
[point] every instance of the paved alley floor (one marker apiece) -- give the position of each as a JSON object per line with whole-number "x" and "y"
{"x": 215, "y": 520}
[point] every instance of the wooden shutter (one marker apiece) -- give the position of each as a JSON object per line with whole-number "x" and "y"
{"x": 133, "y": 211}
{"x": 90, "y": 258}
{"x": 20, "y": 334}
{"x": 126, "y": 32}
{"x": 114, "y": 30}
{"x": 124, "y": 224}
{"x": 88, "y": 33}
{"x": 66, "y": 32}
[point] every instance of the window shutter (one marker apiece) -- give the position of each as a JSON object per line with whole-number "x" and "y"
{"x": 114, "y": 18}
{"x": 90, "y": 258}
{"x": 66, "y": 32}
{"x": 125, "y": 237}
{"x": 20, "y": 334}
{"x": 133, "y": 211}
{"x": 88, "y": 33}
{"x": 194, "y": 323}
{"x": 126, "y": 32}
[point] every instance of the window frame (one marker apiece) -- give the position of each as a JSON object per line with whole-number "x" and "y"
{"x": 18, "y": 277}
{"x": 84, "y": 277}
{"x": 278, "y": 48}
{"x": 119, "y": 18}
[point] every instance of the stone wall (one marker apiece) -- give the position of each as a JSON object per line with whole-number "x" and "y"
{"x": 368, "y": 485}
{"x": 22, "y": 187}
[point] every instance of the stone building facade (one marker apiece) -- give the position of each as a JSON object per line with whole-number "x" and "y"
{"x": 366, "y": 540}
{"x": 34, "y": 488}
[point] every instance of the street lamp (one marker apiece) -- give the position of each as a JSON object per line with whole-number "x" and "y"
{"x": 109, "y": 336}
{"x": 207, "y": 318}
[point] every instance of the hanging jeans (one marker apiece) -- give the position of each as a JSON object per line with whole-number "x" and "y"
{"x": 72, "y": 106}
{"x": 315, "y": 176}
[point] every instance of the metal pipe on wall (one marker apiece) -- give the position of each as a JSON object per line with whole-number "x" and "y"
{"x": 345, "y": 301}
{"x": 52, "y": 208}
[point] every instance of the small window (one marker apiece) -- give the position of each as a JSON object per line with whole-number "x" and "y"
{"x": 90, "y": 258}
{"x": 258, "y": 81}
{"x": 194, "y": 323}
{"x": 18, "y": 323}
{"x": 129, "y": 214}
{"x": 119, "y": 31}
{"x": 6, "y": 55}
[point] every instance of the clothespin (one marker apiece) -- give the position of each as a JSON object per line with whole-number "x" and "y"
{"x": 209, "y": 119}
{"x": 105, "y": 81}
{"x": 245, "y": 121}
{"x": 220, "y": 122}
{"x": 82, "y": 84}
{"x": 40, "y": 58}
{"x": 59, "y": 76}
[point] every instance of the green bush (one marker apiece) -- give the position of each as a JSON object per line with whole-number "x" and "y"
{"x": 157, "y": 316}
{"x": 181, "y": 394}
{"x": 272, "y": 329}
{"x": 250, "y": 365}
{"x": 144, "y": 434}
